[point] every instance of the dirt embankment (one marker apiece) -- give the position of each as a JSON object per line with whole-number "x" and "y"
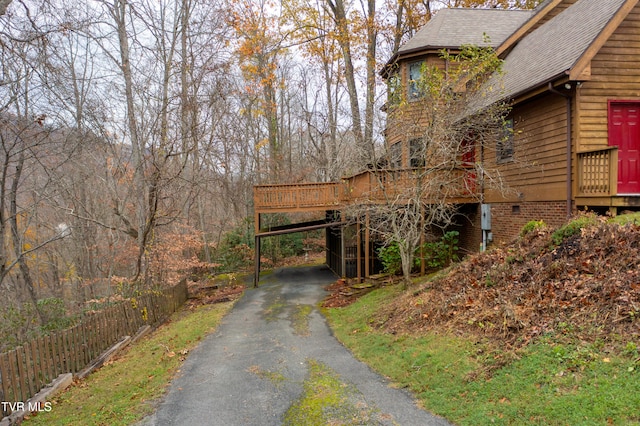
{"x": 587, "y": 285}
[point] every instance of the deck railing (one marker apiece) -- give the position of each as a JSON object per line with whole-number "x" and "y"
{"x": 297, "y": 196}
{"x": 598, "y": 172}
{"x": 389, "y": 185}
{"x": 371, "y": 186}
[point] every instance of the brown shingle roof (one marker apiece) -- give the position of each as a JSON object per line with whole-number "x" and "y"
{"x": 554, "y": 48}
{"x": 549, "y": 52}
{"x": 452, "y": 28}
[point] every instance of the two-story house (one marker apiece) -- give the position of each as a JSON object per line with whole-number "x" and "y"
{"x": 571, "y": 74}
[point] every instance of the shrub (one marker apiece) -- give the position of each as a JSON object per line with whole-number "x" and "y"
{"x": 54, "y": 314}
{"x": 573, "y": 228}
{"x": 437, "y": 254}
{"x": 390, "y": 258}
{"x": 532, "y": 226}
{"x": 235, "y": 250}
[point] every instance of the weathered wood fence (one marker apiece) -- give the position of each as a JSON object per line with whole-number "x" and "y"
{"x": 28, "y": 368}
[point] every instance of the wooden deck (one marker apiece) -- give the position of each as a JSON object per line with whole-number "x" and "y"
{"x": 596, "y": 185}
{"x": 298, "y": 197}
{"x": 370, "y": 186}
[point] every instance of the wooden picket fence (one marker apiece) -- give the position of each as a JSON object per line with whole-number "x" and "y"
{"x": 25, "y": 370}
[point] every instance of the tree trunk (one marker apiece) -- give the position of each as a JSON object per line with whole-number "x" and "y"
{"x": 406, "y": 255}
{"x": 18, "y": 242}
{"x": 340, "y": 18}
{"x": 372, "y": 35}
{"x": 119, "y": 13}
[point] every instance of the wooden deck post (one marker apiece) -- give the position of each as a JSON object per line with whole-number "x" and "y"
{"x": 359, "y": 250}
{"x": 257, "y": 224}
{"x": 367, "y": 250}
{"x": 256, "y": 277}
{"x": 343, "y": 253}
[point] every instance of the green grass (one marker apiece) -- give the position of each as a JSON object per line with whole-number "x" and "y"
{"x": 326, "y": 400}
{"x": 300, "y": 319}
{"x": 471, "y": 383}
{"x": 624, "y": 219}
{"x": 573, "y": 227}
{"x": 123, "y": 392}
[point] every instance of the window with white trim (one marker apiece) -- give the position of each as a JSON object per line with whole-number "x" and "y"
{"x": 413, "y": 80}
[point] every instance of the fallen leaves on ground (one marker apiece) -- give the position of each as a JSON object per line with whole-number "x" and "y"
{"x": 206, "y": 293}
{"x": 588, "y": 285}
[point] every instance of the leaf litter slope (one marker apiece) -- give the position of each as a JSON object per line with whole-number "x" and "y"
{"x": 588, "y": 283}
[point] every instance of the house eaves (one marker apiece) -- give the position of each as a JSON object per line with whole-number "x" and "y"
{"x": 562, "y": 47}
{"x": 452, "y": 28}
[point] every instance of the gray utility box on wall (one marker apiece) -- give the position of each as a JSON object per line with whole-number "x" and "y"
{"x": 485, "y": 217}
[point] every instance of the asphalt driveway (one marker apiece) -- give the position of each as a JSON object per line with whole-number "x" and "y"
{"x": 252, "y": 369}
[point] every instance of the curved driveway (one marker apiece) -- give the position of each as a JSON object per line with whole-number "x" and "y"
{"x": 252, "y": 369}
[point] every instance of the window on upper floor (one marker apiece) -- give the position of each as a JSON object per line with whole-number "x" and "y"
{"x": 505, "y": 145}
{"x": 395, "y": 152}
{"x": 394, "y": 89}
{"x": 416, "y": 153}
{"x": 413, "y": 79}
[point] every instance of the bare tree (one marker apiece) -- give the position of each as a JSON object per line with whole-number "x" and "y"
{"x": 438, "y": 163}
{"x": 4, "y": 4}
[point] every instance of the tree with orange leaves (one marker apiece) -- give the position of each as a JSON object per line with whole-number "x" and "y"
{"x": 259, "y": 48}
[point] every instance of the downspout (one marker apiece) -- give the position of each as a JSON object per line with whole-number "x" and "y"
{"x": 569, "y": 149}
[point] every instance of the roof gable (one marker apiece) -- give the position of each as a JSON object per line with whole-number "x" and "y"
{"x": 541, "y": 14}
{"x": 562, "y": 46}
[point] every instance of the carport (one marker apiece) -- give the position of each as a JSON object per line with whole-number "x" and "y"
{"x": 335, "y": 240}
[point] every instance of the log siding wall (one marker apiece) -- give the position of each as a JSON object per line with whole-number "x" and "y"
{"x": 407, "y": 125}
{"x": 538, "y": 172}
{"x": 615, "y": 75}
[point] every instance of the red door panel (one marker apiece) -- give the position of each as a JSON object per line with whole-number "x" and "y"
{"x": 624, "y": 132}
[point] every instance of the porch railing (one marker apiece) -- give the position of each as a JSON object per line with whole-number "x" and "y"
{"x": 598, "y": 172}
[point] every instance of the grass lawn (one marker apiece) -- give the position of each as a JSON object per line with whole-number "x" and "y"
{"x": 555, "y": 381}
{"x": 123, "y": 392}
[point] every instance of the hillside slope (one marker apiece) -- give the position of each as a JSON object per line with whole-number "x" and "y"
{"x": 583, "y": 279}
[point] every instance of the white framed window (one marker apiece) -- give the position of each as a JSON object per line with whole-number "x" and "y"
{"x": 413, "y": 79}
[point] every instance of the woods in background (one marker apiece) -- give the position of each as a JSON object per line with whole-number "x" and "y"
{"x": 132, "y": 131}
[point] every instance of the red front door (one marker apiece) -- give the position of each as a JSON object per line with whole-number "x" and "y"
{"x": 624, "y": 132}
